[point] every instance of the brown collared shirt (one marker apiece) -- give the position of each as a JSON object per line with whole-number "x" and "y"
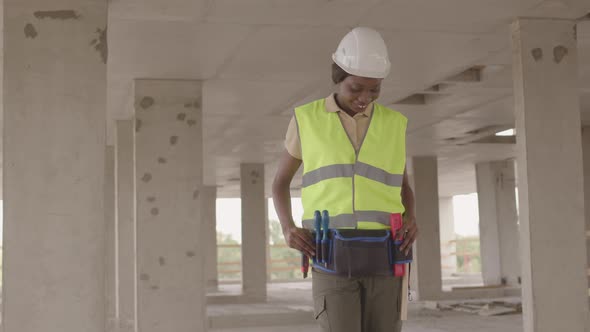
{"x": 355, "y": 127}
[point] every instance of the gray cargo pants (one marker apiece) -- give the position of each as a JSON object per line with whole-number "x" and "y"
{"x": 358, "y": 304}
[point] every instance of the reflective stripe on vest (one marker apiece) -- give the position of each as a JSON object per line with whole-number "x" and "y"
{"x": 362, "y": 169}
{"x": 360, "y": 190}
{"x": 350, "y": 220}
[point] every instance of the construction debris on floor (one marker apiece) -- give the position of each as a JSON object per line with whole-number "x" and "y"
{"x": 489, "y": 308}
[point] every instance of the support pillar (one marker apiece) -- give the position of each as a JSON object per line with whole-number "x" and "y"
{"x": 498, "y": 229}
{"x": 551, "y": 193}
{"x": 254, "y": 230}
{"x": 427, "y": 248}
{"x": 169, "y": 167}
{"x": 586, "y": 156}
{"x": 448, "y": 246}
{"x": 489, "y": 239}
{"x": 111, "y": 305}
{"x": 209, "y": 200}
{"x": 53, "y": 165}
{"x": 508, "y": 223}
{"x": 126, "y": 225}
{"x": 268, "y": 248}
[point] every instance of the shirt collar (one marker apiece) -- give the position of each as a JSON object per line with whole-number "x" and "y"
{"x": 332, "y": 107}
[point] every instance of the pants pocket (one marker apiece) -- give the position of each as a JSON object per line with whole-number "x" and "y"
{"x": 320, "y": 313}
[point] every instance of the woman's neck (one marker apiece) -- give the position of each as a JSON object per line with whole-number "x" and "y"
{"x": 346, "y": 110}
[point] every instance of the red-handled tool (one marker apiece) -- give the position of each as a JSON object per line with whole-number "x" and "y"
{"x": 396, "y": 223}
{"x": 399, "y": 270}
{"x": 304, "y": 265}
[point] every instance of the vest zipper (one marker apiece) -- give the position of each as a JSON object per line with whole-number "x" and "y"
{"x": 356, "y": 159}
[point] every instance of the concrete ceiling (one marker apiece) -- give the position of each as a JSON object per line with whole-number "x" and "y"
{"x": 260, "y": 58}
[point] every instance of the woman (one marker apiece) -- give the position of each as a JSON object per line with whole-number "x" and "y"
{"x": 353, "y": 152}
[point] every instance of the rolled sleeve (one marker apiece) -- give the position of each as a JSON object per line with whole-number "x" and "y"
{"x": 292, "y": 142}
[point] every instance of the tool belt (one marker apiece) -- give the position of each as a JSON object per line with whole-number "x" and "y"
{"x": 361, "y": 253}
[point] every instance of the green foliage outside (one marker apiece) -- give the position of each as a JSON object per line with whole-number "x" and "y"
{"x": 468, "y": 255}
{"x": 285, "y": 262}
{"x": 229, "y": 258}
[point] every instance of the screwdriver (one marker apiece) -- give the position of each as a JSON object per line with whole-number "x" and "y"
{"x": 325, "y": 228}
{"x": 318, "y": 235}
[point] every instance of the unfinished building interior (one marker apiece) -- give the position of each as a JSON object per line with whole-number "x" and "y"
{"x": 125, "y": 122}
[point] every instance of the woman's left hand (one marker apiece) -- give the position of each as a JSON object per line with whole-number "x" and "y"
{"x": 409, "y": 232}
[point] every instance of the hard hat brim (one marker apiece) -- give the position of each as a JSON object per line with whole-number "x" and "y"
{"x": 360, "y": 73}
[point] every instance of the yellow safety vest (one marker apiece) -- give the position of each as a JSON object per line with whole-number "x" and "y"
{"x": 358, "y": 190}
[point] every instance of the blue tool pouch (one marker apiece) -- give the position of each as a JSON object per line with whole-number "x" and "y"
{"x": 361, "y": 253}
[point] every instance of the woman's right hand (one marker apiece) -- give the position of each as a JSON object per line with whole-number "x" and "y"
{"x": 300, "y": 239}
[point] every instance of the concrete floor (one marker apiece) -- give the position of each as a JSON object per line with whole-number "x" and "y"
{"x": 430, "y": 322}
{"x": 296, "y": 297}
{"x": 423, "y": 321}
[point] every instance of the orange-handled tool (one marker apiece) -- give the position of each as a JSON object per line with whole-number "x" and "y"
{"x": 396, "y": 223}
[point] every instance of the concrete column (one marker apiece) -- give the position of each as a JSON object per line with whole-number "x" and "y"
{"x": 126, "y": 225}
{"x": 498, "y": 228}
{"x": 54, "y": 97}
{"x": 508, "y": 223}
{"x": 448, "y": 246}
{"x": 489, "y": 239}
{"x": 254, "y": 230}
{"x": 413, "y": 275}
{"x": 209, "y": 233}
{"x": 169, "y": 177}
{"x": 551, "y": 193}
{"x": 111, "y": 306}
{"x": 268, "y": 249}
{"x": 586, "y": 156}
{"x": 427, "y": 256}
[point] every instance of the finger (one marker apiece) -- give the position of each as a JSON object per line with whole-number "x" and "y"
{"x": 409, "y": 249}
{"x": 305, "y": 235}
{"x": 400, "y": 233}
{"x": 300, "y": 247}
{"x": 305, "y": 244}
{"x": 296, "y": 242}
{"x": 298, "y": 239}
{"x": 408, "y": 238}
{"x": 308, "y": 236}
{"x": 411, "y": 240}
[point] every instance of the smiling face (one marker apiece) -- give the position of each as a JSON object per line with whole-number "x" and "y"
{"x": 356, "y": 93}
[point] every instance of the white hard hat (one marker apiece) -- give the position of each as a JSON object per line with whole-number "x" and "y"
{"x": 362, "y": 52}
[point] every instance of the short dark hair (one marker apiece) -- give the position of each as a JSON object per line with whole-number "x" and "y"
{"x": 338, "y": 74}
